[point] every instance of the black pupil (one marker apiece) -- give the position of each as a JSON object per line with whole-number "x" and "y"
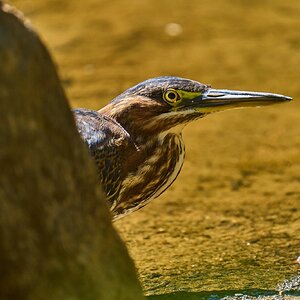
{"x": 172, "y": 96}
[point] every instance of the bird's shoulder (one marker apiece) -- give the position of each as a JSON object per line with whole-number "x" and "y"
{"x": 100, "y": 131}
{"x": 106, "y": 140}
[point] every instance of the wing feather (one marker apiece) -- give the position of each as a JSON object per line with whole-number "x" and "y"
{"x": 106, "y": 140}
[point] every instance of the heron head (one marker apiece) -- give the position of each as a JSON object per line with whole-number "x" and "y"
{"x": 162, "y": 103}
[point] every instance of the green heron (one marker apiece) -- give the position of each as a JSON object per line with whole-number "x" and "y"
{"x": 136, "y": 139}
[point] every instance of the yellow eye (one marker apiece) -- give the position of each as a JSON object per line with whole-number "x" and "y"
{"x": 171, "y": 96}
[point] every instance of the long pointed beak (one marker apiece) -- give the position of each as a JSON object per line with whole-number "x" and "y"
{"x": 217, "y": 100}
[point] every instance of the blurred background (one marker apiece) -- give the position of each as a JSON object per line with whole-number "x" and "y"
{"x": 231, "y": 221}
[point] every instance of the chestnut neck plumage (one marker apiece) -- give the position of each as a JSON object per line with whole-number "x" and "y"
{"x": 153, "y": 165}
{"x": 150, "y": 171}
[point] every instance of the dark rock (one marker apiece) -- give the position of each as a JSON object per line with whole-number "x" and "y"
{"x": 56, "y": 237}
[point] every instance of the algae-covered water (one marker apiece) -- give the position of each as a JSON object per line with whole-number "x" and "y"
{"x": 230, "y": 225}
